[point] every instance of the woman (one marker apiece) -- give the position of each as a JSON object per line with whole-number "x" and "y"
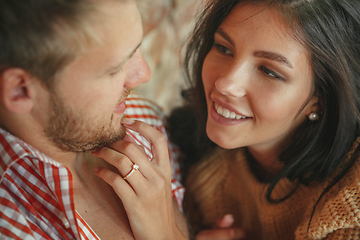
{"x": 275, "y": 87}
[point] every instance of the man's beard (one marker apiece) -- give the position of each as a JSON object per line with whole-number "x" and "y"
{"x": 71, "y": 131}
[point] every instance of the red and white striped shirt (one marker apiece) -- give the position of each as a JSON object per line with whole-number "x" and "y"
{"x": 36, "y": 194}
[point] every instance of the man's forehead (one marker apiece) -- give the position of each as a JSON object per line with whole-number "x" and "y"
{"x": 113, "y": 40}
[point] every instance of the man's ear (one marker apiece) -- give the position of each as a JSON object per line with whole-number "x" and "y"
{"x": 15, "y": 90}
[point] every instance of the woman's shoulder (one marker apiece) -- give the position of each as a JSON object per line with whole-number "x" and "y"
{"x": 337, "y": 214}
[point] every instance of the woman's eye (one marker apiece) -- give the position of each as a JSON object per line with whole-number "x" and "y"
{"x": 222, "y": 49}
{"x": 270, "y": 73}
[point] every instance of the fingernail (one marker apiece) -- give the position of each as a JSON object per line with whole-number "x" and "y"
{"x": 228, "y": 217}
{"x": 128, "y": 121}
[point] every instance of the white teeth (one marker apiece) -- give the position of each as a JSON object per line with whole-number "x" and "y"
{"x": 219, "y": 109}
{"x": 227, "y": 113}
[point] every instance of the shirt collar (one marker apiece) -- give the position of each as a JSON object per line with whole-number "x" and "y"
{"x": 13, "y": 149}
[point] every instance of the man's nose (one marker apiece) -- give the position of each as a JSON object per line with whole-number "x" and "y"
{"x": 138, "y": 71}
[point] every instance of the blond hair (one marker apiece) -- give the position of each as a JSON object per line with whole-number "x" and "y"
{"x": 43, "y": 36}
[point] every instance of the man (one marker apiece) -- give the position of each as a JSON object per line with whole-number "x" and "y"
{"x": 66, "y": 69}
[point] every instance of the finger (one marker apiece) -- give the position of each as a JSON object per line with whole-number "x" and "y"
{"x": 132, "y": 152}
{"x": 129, "y": 138}
{"x": 120, "y": 186}
{"x": 221, "y": 234}
{"x": 116, "y": 159}
{"x": 123, "y": 165}
{"x": 225, "y": 222}
{"x": 155, "y": 138}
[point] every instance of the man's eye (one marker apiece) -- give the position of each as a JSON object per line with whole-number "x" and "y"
{"x": 222, "y": 49}
{"x": 270, "y": 73}
{"x": 113, "y": 74}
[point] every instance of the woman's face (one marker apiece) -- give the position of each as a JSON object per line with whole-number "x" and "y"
{"x": 257, "y": 80}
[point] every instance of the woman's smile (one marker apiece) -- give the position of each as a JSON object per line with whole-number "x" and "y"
{"x": 257, "y": 80}
{"x": 224, "y": 115}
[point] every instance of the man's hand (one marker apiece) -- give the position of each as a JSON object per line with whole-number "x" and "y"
{"x": 222, "y": 231}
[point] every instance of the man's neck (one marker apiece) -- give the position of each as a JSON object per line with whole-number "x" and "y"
{"x": 31, "y": 133}
{"x": 94, "y": 199}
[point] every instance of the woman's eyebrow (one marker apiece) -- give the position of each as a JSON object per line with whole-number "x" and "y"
{"x": 222, "y": 33}
{"x": 273, "y": 56}
{"x": 261, "y": 54}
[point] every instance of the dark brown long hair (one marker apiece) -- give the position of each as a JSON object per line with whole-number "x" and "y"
{"x": 330, "y": 30}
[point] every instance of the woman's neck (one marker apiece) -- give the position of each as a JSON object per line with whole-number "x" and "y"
{"x": 264, "y": 164}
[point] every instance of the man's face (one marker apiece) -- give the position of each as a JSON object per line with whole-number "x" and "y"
{"x": 87, "y": 102}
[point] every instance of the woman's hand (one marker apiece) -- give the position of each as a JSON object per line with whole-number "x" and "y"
{"x": 222, "y": 231}
{"x": 146, "y": 191}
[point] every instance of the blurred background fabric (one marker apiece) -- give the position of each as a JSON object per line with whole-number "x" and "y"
{"x": 167, "y": 25}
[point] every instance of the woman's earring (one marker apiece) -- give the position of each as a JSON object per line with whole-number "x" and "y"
{"x": 313, "y": 116}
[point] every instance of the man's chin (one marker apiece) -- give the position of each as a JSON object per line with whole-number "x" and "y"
{"x": 84, "y": 146}
{"x": 101, "y": 144}
{"x": 104, "y": 142}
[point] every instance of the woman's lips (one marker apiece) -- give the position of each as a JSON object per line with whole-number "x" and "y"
{"x": 222, "y": 111}
{"x": 225, "y": 116}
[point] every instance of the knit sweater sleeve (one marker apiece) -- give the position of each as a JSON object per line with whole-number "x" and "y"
{"x": 337, "y": 215}
{"x": 345, "y": 234}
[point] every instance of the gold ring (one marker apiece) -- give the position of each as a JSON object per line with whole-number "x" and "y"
{"x": 134, "y": 168}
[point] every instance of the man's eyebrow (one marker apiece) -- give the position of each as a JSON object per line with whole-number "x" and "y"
{"x": 132, "y": 53}
{"x": 118, "y": 66}
{"x": 273, "y": 56}
{"x": 221, "y": 32}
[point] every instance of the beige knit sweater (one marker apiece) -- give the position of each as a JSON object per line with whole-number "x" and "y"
{"x": 224, "y": 184}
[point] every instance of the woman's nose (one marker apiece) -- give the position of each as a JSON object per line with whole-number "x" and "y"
{"x": 230, "y": 87}
{"x": 234, "y": 80}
